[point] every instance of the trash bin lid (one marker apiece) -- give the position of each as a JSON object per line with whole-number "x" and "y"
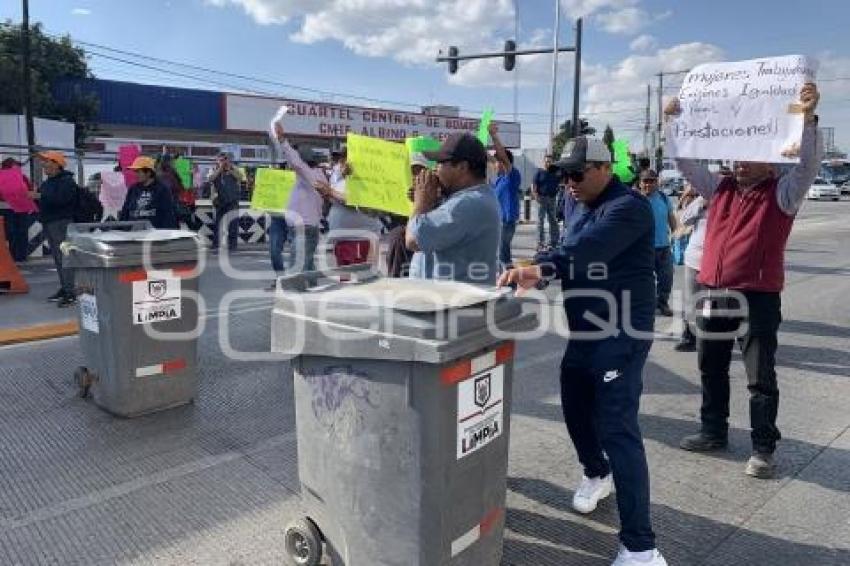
{"x": 412, "y": 295}
{"x": 118, "y": 248}
{"x": 387, "y": 318}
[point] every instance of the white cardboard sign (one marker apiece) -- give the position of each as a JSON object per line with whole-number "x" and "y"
{"x": 479, "y": 410}
{"x": 88, "y": 313}
{"x": 156, "y": 299}
{"x": 743, "y": 110}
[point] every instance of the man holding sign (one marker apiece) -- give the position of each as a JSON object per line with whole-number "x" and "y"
{"x": 749, "y": 221}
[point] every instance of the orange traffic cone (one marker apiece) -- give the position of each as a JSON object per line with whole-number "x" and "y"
{"x": 11, "y": 280}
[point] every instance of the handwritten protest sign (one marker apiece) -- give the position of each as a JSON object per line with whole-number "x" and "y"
{"x": 622, "y": 161}
{"x": 13, "y": 190}
{"x": 113, "y": 190}
{"x": 380, "y": 175}
{"x": 745, "y": 110}
{"x": 126, "y": 155}
{"x": 183, "y": 167}
{"x": 272, "y": 189}
{"x": 484, "y": 126}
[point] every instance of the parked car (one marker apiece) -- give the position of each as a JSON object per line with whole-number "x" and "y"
{"x": 823, "y": 189}
{"x": 845, "y": 188}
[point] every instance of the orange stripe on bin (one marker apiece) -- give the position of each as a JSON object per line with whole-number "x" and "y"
{"x": 133, "y": 275}
{"x": 505, "y": 353}
{"x": 173, "y": 365}
{"x": 185, "y": 271}
{"x": 457, "y": 372}
{"x": 490, "y": 520}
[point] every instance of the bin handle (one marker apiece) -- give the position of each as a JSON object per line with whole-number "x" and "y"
{"x": 306, "y": 280}
{"x": 124, "y": 226}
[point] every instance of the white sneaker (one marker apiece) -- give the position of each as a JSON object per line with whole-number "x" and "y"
{"x": 590, "y": 492}
{"x": 647, "y": 558}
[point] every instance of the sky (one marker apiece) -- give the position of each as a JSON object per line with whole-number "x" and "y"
{"x": 384, "y": 50}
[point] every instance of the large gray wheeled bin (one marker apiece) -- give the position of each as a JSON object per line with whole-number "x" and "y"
{"x": 128, "y": 370}
{"x": 403, "y": 400}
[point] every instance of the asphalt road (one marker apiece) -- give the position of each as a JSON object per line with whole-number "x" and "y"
{"x": 214, "y": 483}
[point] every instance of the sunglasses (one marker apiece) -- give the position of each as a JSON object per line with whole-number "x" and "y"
{"x": 577, "y": 176}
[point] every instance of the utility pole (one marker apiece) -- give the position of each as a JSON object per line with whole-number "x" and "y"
{"x": 646, "y": 124}
{"x": 577, "y": 81}
{"x": 553, "y": 97}
{"x": 27, "y": 86}
{"x": 659, "y": 150}
{"x": 516, "y": 71}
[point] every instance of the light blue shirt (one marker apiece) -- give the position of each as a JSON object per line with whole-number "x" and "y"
{"x": 661, "y": 212}
{"x": 463, "y": 236}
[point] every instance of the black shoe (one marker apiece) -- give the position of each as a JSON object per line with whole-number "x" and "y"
{"x": 702, "y": 442}
{"x": 67, "y": 301}
{"x": 686, "y": 346}
{"x": 57, "y": 296}
{"x": 663, "y": 310}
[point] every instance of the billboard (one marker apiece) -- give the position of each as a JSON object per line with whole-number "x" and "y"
{"x": 246, "y": 113}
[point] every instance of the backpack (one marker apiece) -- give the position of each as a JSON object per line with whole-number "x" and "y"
{"x": 88, "y": 207}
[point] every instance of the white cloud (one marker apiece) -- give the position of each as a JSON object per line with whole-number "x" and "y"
{"x": 409, "y": 31}
{"x": 625, "y": 21}
{"x": 267, "y": 12}
{"x": 80, "y": 12}
{"x": 584, "y": 8}
{"x": 643, "y": 43}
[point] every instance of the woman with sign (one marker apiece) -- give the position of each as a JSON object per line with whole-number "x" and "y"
{"x": 347, "y": 221}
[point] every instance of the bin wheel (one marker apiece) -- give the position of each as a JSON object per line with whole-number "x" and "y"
{"x": 83, "y": 379}
{"x": 303, "y": 543}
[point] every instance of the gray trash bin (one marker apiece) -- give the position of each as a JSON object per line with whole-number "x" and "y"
{"x": 128, "y": 371}
{"x": 402, "y": 416}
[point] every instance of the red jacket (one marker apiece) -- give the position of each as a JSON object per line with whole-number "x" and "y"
{"x": 745, "y": 239}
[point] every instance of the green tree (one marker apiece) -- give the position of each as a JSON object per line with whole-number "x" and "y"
{"x": 608, "y": 137}
{"x": 565, "y": 134}
{"x": 560, "y": 139}
{"x": 50, "y": 60}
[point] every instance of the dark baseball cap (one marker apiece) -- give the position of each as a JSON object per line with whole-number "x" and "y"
{"x": 648, "y": 174}
{"x": 459, "y": 147}
{"x": 582, "y": 150}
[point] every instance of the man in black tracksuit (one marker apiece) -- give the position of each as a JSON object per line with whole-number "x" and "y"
{"x": 606, "y": 265}
{"x": 58, "y": 196}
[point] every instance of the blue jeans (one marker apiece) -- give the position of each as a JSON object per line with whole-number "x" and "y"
{"x": 232, "y": 227}
{"x": 601, "y": 384}
{"x": 663, "y": 274}
{"x": 508, "y": 229}
{"x": 304, "y": 243}
{"x": 278, "y": 231}
{"x": 547, "y": 209}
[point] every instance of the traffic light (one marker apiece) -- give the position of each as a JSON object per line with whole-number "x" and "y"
{"x": 453, "y": 62}
{"x": 585, "y": 129}
{"x": 510, "y": 58}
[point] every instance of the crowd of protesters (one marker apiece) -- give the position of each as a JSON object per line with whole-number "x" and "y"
{"x": 729, "y": 230}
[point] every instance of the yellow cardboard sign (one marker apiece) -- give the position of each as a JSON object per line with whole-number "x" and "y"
{"x": 380, "y": 175}
{"x": 272, "y": 189}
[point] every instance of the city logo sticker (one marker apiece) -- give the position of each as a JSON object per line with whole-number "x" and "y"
{"x": 157, "y": 288}
{"x": 482, "y": 390}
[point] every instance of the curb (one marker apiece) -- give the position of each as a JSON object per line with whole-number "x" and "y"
{"x": 38, "y": 332}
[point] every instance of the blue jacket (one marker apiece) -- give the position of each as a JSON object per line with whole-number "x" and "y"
{"x": 58, "y": 197}
{"x": 508, "y": 188}
{"x": 153, "y": 202}
{"x": 608, "y": 247}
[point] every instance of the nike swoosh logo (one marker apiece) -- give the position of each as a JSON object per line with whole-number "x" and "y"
{"x": 611, "y": 376}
